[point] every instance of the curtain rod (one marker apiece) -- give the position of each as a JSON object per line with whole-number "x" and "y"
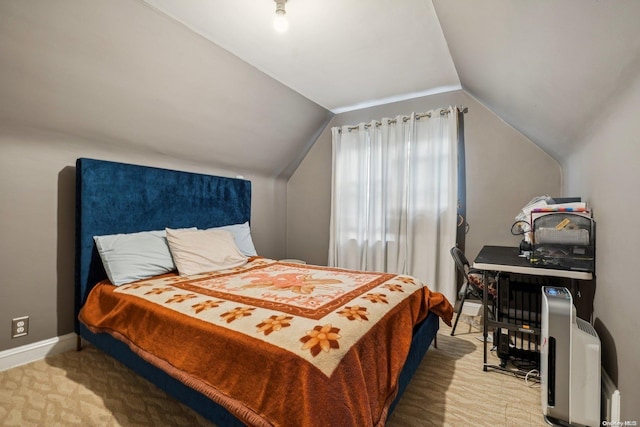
{"x": 443, "y": 111}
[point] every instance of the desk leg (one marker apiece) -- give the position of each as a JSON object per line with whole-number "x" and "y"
{"x": 485, "y": 314}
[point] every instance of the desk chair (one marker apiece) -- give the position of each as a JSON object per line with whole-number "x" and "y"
{"x": 473, "y": 283}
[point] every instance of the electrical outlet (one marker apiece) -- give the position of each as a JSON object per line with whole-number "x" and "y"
{"x": 19, "y": 326}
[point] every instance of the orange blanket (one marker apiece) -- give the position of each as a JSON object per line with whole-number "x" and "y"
{"x": 275, "y": 343}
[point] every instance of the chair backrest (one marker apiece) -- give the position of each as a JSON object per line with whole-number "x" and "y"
{"x": 461, "y": 262}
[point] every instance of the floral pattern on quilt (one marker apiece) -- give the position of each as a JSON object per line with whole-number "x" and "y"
{"x": 316, "y": 312}
{"x": 237, "y": 313}
{"x": 206, "y": 305}
{"x": 354, "y": 313}
{"x": 321, "y": 338}
{"x": 294, "y": 282}
{"x": 274, "y": 323}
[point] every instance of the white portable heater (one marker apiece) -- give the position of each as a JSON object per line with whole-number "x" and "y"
{"x": 569, "y": 363}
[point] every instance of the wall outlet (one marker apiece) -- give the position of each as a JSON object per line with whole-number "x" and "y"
{"x": 19, "y": 326}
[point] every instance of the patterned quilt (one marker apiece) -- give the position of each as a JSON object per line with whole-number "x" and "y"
{"x": 275, "y": 343}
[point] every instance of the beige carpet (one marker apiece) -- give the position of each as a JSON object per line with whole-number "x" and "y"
{"x": 88, "y": 388}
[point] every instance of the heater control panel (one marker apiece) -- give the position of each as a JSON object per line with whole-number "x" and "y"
{"x": 554, "y": 292}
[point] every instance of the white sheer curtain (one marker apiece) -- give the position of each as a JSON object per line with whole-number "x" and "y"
{"x": 394, "y": 197}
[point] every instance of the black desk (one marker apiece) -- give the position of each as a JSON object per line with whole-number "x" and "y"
{"x": 503, "y": 259}
{"x": 508, "y": 259}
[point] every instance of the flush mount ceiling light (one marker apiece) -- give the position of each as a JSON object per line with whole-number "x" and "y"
{"x": 280, "y": 22}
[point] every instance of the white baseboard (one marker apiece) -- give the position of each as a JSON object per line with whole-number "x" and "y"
{"x": 610, "y": 400}
{"x": 36, "y": 351}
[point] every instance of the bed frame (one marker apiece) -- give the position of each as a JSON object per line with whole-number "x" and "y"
{"x": 121, "y": 198}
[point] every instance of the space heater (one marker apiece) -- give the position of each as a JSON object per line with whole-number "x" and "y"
{"x": 569, "y": 363}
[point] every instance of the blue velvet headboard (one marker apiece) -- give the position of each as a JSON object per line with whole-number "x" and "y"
{"x": 121, "y": 198}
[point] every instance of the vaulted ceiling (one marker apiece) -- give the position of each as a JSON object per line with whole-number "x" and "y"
{"x": 211, "y": 80}
{"x": 337, "y": 53}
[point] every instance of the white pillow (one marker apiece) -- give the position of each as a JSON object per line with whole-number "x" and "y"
{"x": 135, "y": 256}
{"x": 201, "y": 251}
{"x": 242, "y": 236}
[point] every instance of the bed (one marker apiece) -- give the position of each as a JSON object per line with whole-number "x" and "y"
{"x": 263, "y": 343}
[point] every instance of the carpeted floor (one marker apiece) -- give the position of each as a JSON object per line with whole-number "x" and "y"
{"x": 88, "y": 388}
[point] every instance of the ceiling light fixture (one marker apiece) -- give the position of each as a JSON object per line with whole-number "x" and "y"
{"x": 280, "y": 22}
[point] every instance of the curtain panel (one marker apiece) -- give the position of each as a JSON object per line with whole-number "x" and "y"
{"x": 394, "y": 197}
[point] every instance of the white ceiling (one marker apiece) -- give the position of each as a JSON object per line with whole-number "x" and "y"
{"x": 211, "y": 81}
{"x": 547, "y": 67}
{"x": 331, "y": 52}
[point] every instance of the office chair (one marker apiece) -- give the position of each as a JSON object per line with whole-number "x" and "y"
{"x": 473, "y": 283}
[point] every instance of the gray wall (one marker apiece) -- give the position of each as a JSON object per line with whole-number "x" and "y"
{"x": 120, "y": 81}
{"x": 37, "y": 194}
{"x": 604, "y": 169}
{"x": 504, "y": 171}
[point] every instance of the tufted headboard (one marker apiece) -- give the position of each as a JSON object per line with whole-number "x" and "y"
{"x": 122, "y": 198}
